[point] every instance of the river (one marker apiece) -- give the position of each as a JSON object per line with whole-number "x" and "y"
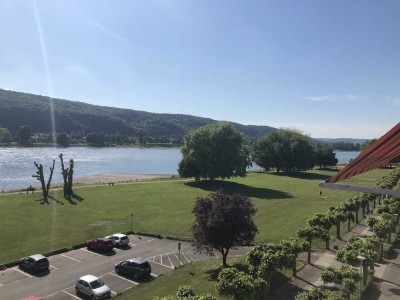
{"x": 16, "y": 164}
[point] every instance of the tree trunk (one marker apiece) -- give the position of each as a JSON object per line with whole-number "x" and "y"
{"x": 357, "y": 216}
{"x": 348, "y": 224}
{"x": 368, "y": 208}
{"x": 224, "y": 256}
{"x": 381, "y": 252}
{"x": 294, "y": 271}
{"x": 338, "y": 230}
{"x": 374, "y": 202}
{"x": 309, "y": 253}
{"x": 64, "y": 175}
{"x": 327, "y": 244}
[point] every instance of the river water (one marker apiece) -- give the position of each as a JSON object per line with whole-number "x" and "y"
{"x": 16, "y": 164}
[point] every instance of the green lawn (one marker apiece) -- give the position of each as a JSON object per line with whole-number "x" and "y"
{"x": 284, "y": 204}
{"x": 201, "y": 276}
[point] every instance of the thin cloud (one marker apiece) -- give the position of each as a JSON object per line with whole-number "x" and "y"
{"x": 109, "y": 31}
{"x": 352, "y": 97}
{"x": 394, "y": 100}
{"x": 347, "y": 97}
{"x": 319, "y": 98}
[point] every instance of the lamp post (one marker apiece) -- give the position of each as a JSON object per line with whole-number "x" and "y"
{"x": 363, "y": 272}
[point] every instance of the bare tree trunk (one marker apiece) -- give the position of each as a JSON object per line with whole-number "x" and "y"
{"x": 64, "y": 175}
{"x": 50, "y": 177}
{"x": 39, "y": 176}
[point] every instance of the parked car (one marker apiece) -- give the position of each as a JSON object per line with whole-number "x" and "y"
{"x": 119, "y": 239}
{"x": 34, "y": 263}
{"x": 136, "y": 267}
{"x": 92, "y": 287}
{"x": 100, "y": 244}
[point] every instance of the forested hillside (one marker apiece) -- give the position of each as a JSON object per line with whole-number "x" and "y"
{"x": 17, "y": 109}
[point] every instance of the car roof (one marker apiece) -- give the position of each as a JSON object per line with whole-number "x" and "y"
{"x": 37, "y": 256}
{"x": 119, "y": 235}
{"x": 137, "y": 260}
{"x": 89, "y": 278}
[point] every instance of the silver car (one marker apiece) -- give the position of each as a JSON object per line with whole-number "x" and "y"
{"x": 119, "y": 239}
{"x": 93, "y": 287}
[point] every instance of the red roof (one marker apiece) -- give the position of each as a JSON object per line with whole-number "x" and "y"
{"x": 379, "y": 154}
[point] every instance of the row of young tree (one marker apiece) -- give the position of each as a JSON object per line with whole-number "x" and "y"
{"x": 226, "y": 221}
{"x": 218, "y": 150}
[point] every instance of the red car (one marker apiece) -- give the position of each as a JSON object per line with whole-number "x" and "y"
{"x": 100, "y": 244}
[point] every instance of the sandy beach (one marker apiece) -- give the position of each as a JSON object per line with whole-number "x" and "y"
{"x": 115, "y": 177}
{"x": 97, "y": 179}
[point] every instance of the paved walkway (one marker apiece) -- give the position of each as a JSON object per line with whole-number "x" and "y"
{"x": 386, "y": 283}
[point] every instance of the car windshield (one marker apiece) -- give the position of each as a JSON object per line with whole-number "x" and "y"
{"x": 124, "y": 238}
{"x": 96, "y": 284}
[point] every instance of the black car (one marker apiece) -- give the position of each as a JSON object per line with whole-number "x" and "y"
{"x": 136, "y": 267}
{"x": 34, "y": 263}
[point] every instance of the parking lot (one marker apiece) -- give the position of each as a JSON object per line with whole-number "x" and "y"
{"x": 66, "y": 268}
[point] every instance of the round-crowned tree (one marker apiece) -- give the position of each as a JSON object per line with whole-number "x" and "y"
{"x": 222, "y": 222}
{"x": 212, "y": 151}
{"x": 284, "y": 149}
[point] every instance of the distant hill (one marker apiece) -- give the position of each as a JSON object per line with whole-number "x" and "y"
{"x": 341, "y": 140}
{"x": 17, "y": 109}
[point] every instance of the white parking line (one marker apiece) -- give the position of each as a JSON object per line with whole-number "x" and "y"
{"x": 161, "y": 259}
{"x": 178, "y": 259}
{"x": 116, "y": 275}
{"x": 185, "y": 257}
{"x": 152, "y": 274}
{"x": 26, "y": 274}
{"x": 132, "y": 245}
{"x": 83, "y": 249}
{"x": 71, "y": 295}
{"x": 170, "y": 261}
{"x": 112, "y": 292}
{"x": 53, "y": 267}
{"x": 71, "y": 258}
{"x": 161, "y": 264}
{"x": 1, "y": 284}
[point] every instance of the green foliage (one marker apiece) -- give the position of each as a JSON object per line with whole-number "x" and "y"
{"x": 366, "y": 144}
{"x": 184, "y": 291}
{"x": 324, "y": 156}
{"x": 24, "y": 134}
{"x": 318, "y": 294}
{"x": 222, "y": 222}
{"x": 284, "y": 149}
{"x": 5, "y": 136}
{"x": 346, "y": 276}
{"x": 96, "y": 138}
{"x": 263, "y": 262}
{"x": 62, "y": 139}
{"x": 212, "y": 151}
{"x": 238, "y": 285}
{"x": 371, "y": 221}
{"x": 357, "y": 247}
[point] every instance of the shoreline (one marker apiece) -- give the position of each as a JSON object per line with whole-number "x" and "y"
{"x": 96, "y": 179}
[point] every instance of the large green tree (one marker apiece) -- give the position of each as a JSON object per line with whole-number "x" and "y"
{"x": 5, "y": 136}
{"x": 212, "y": 151}
{"x": 324, "y": 156}
{"x": 284, "y": 149}
{"x": 24, "y": 135}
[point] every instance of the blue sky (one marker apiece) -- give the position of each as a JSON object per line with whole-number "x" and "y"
{"x": 329, "y": 68}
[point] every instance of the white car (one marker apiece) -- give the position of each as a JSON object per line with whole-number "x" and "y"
{"x": 119, "y": 239}
{"x": 92, "y": 287}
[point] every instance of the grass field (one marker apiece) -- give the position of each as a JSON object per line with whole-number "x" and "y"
{"x": 201, "y": 276}
{"x": 284, "y": 204}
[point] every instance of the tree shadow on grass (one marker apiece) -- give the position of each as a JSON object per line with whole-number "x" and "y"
{"x": 233, "y": 187}
{"x": 303, "y": 175}
{"x": 213, "y": 273}
{"x": 69, "y": 199}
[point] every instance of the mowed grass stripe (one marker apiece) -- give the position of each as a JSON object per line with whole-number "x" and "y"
{"x": 284, "y": 204}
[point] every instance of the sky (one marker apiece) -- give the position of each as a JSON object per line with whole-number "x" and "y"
{"x": 330, "y": 68}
